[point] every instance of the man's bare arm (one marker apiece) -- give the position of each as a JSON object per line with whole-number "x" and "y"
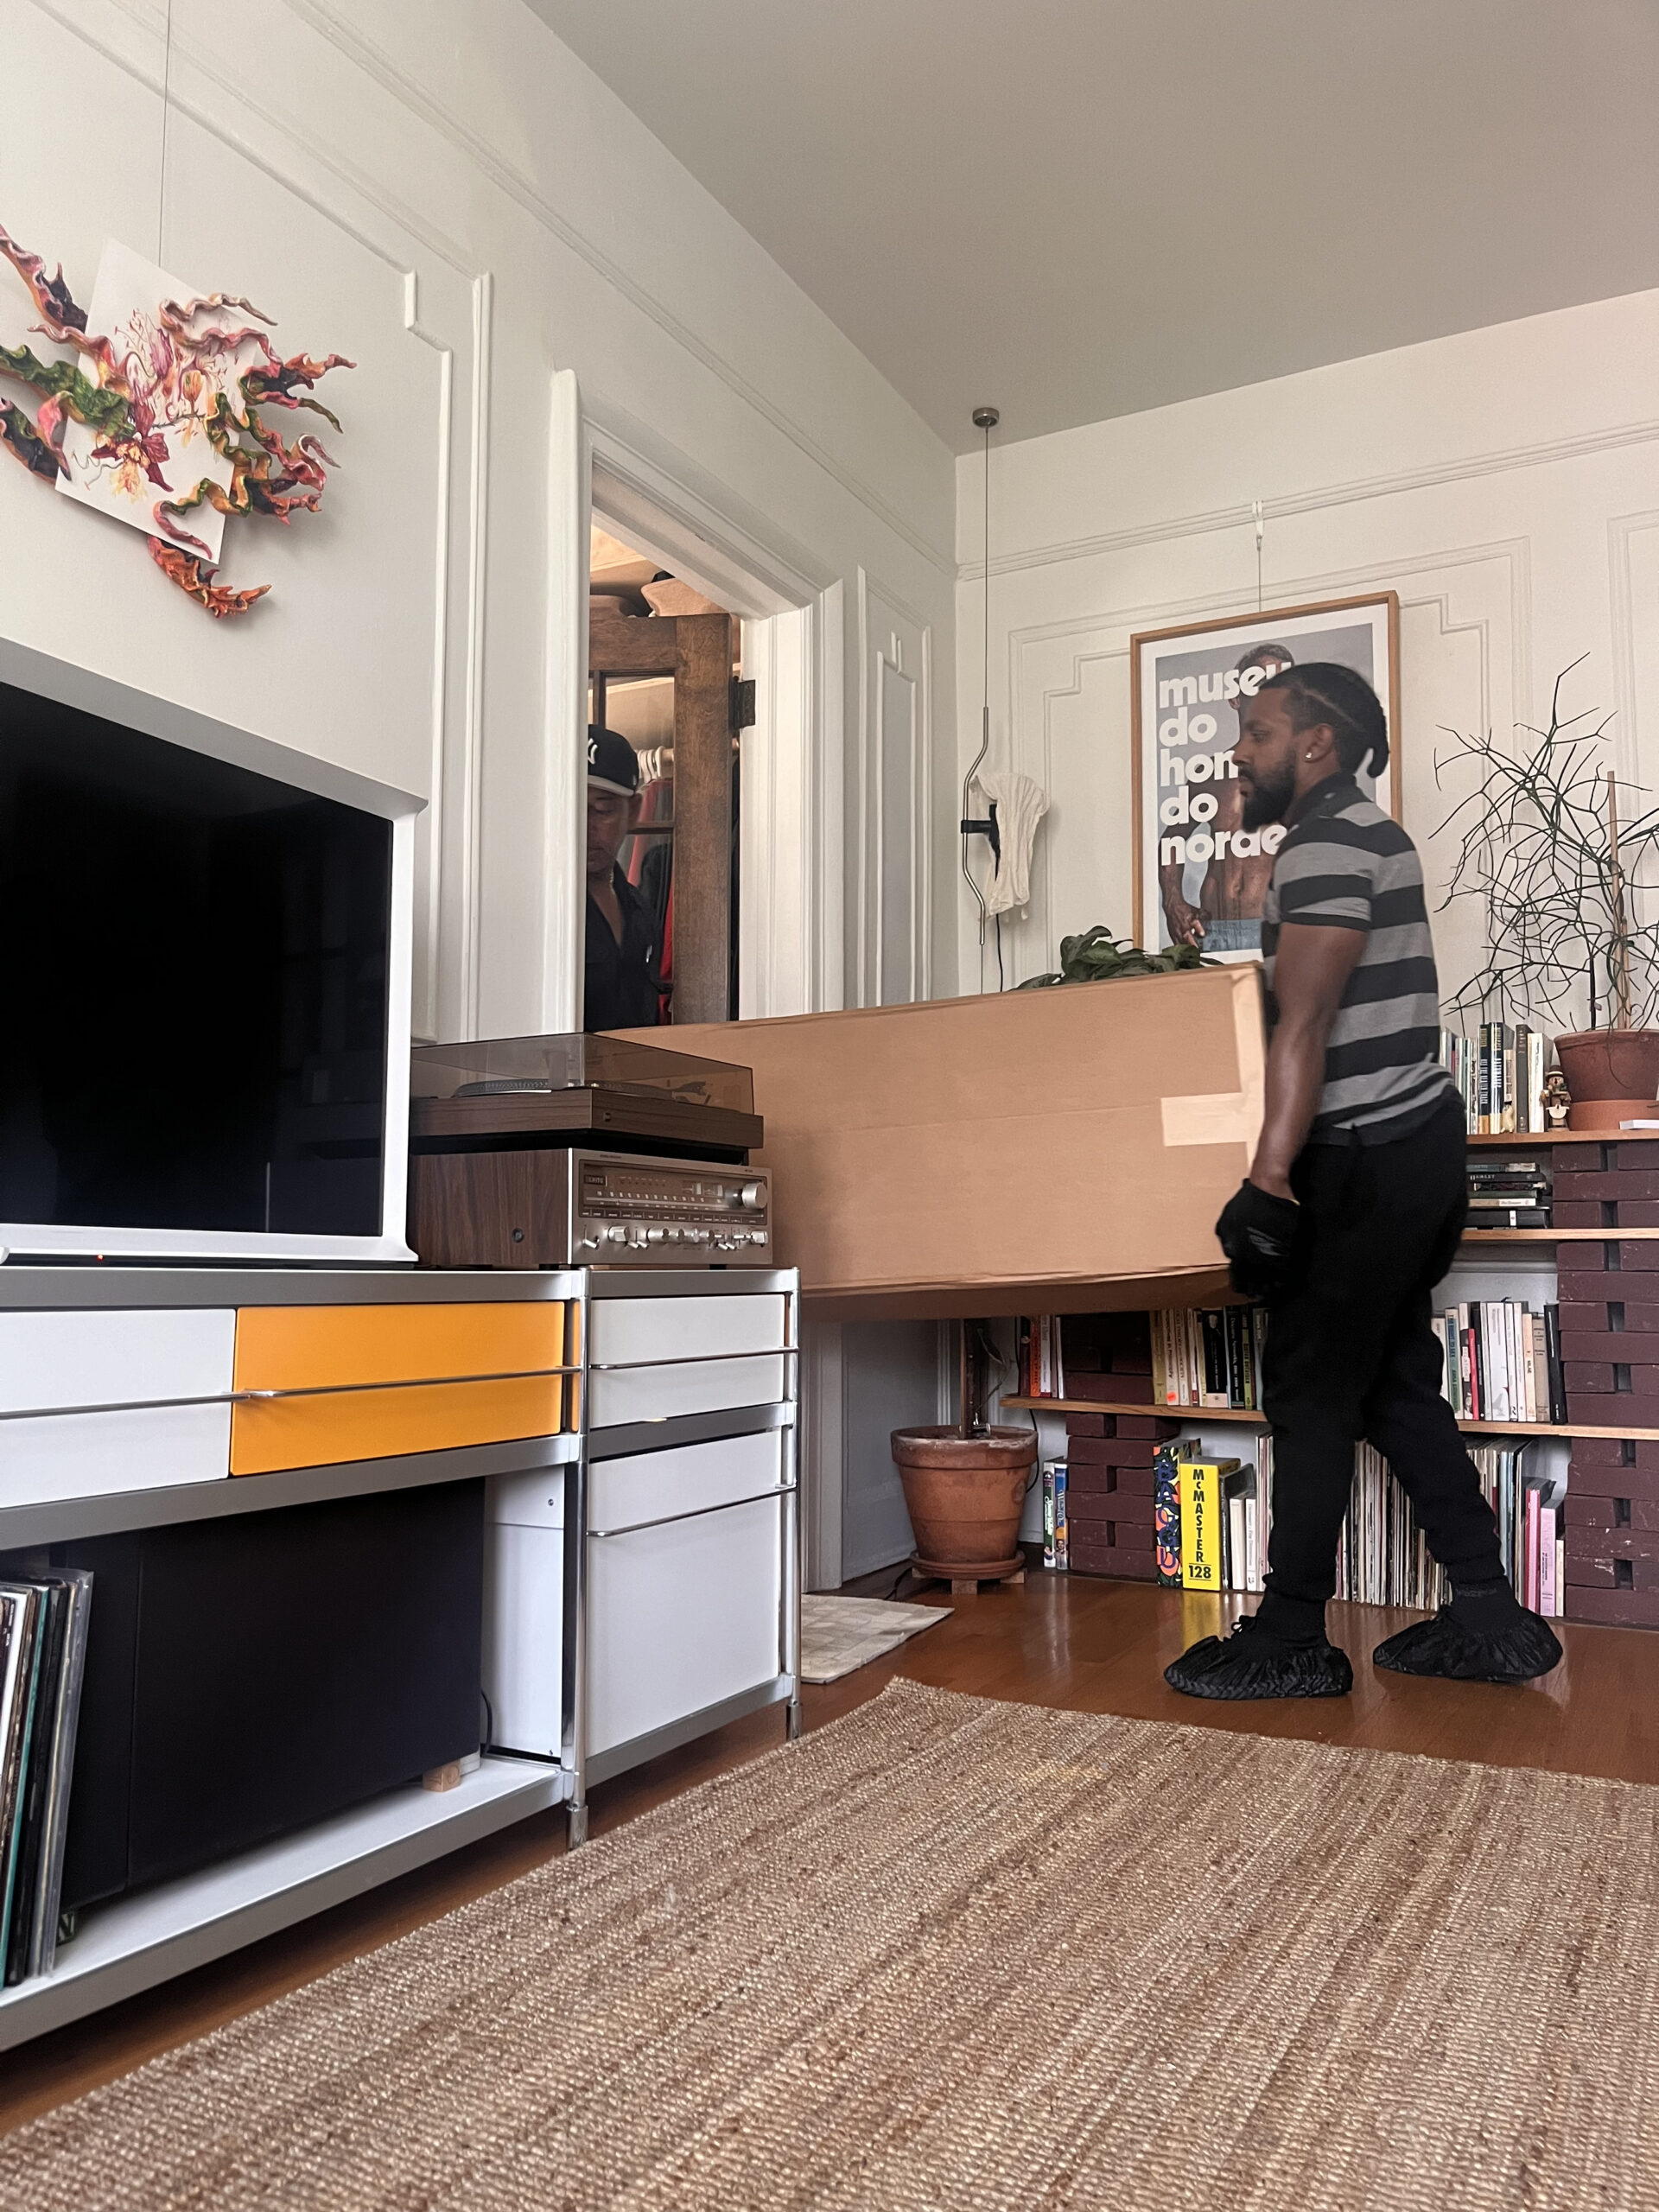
{"x": 1310, "y": 974}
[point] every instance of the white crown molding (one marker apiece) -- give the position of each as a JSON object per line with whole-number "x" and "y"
{"x": 1538, "y": 455}
{"x": 326, "y": 19}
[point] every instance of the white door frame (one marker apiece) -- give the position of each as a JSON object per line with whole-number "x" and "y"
{"x": 791, "y": 901}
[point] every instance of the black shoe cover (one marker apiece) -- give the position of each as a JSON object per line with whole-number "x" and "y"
{"x": 1248, "y": 1663}
{"x": 1524, "y": 1647}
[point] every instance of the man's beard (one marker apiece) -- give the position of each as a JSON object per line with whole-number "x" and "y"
{"x": 1268, "y": 798}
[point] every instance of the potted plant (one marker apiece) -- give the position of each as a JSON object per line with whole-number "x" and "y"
{"x": 1563, "y": 881}
{"x": 965, "y": 1483}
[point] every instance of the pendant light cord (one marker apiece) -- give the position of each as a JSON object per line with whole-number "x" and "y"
{"x": 986, "y": 425}
{"x": 167, "y": 113}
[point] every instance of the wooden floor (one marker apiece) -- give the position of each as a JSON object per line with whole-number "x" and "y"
{"x": 1097, "y": 1647}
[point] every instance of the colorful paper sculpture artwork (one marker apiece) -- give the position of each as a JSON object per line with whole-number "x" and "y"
{"x": 150, "y": 413}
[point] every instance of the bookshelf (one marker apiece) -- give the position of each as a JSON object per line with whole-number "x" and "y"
{"x": 1602, "y": 1236}
{"x": 1257, "y": 1420}
{"x": 1529, "y": 1137}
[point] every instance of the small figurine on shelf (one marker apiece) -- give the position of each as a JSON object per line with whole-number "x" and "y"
{"x": 1557, "y": 1099}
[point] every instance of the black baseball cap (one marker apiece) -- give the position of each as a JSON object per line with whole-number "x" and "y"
{"x": 613, "y": 764}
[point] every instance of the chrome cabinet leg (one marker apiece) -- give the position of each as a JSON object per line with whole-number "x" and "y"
{"x": 576, "y": 1832}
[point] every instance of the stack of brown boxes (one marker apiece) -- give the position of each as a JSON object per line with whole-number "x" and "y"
{"x": 1610, "y": 1356}
{"x": 1108, "y": 1492}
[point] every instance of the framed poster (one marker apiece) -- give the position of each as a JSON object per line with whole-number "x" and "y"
{"x": 1200, "y": 876}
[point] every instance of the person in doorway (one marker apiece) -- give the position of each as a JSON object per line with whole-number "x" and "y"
{"x": 1228, "y": 917}
{"x": 1351, "y": 1214}
{"x": 623, "y": 976}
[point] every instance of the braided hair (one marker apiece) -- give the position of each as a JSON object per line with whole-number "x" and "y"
{"x": 1324, "y": 692}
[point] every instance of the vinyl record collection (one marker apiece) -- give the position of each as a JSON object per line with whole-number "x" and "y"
{"x": 1211, "y": 1517}
{"x": 43, "y": 1625}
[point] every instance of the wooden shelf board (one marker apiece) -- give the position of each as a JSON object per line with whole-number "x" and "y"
{"x": 1518, "y": 1137}
{"x": 1559, "y": 1235}
{"x": 1566, "y": 1136}
{"x": 1199, "y": 1414}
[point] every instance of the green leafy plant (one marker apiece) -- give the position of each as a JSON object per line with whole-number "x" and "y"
{"x": 1097, "y": 956}
{"x": 1557, "y": 874}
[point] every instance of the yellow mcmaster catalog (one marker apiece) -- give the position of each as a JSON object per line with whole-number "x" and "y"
{"x": 1200, "y": 1482}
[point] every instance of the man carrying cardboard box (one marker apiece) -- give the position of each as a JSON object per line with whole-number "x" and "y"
{"x": 1351, "y": 1215}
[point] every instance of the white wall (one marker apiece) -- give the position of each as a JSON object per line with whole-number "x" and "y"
{"x": 440, "y": 190}
{"x": 1504, "y": 482}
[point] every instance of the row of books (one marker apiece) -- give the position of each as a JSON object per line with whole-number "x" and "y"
{"x": 1503, "y": 1361}
{"x": 1208, "y": 1357}
{"x": 1499, "y": 1073}
{"x": 1510, "y": 1193}
{"x": 1040, "y": 1358}
{"x": 43, "y": 1626}
{"x": 1211, "y": 1518}
{"x": 1057, "y": 1540}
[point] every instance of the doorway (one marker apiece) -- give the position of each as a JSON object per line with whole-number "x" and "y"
{"x": 663, "y": 672}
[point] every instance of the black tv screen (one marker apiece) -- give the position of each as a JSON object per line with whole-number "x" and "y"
{"x": 195, "y": 1031}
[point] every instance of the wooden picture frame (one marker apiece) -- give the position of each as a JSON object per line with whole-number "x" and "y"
{"x": 1175, "y": 674}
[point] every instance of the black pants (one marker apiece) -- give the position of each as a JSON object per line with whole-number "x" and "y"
{"x": 1351, "y": 1354}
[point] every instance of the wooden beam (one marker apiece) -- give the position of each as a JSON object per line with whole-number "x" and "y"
{"x": 632, "y": 644}
{"x": 702, "y": 815}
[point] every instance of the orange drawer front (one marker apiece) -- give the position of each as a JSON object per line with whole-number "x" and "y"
{"x": 317, "y": 1431}
{"x": 324, "y": 1347}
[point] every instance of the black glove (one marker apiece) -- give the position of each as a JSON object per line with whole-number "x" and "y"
{"x": 1260, "y": 1235}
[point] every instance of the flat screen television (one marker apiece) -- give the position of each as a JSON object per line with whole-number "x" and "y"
{"x": 204, "y": 1041}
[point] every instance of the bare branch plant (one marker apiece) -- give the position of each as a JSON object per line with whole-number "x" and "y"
{"x": 1559, "y": 878}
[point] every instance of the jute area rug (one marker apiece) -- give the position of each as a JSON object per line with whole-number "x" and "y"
{"x": 840, "y": 1635}
{"x": 950, "y": 1953}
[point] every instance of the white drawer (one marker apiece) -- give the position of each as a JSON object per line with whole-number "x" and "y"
{"x": 113, "y": 1360}
{"x": 619, "y": 1395}
{"x": 535, "y": 1500}
{"x": 92, "y": 1455}
{"x": 523, "y": 1638}
{"x": 634, "y": 1329}
{"x": 651, "y": 1486}
{"x": 681, "y": 1617}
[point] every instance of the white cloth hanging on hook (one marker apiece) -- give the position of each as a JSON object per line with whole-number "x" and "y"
{"x": 1021, "y": 805}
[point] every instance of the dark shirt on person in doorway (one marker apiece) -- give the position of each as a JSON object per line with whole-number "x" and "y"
{"x": 623, "y": 981}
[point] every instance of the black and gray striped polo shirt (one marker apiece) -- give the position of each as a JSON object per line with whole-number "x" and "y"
{"x": 1344, "y": 864}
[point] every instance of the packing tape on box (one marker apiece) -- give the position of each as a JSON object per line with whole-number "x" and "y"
{"x": 1226, "y": 1116}
{"x": 1215, "y": 1117}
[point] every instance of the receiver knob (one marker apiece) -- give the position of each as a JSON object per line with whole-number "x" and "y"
{"x": 751, "y": 1197}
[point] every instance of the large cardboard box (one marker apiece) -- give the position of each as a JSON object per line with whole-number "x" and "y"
{"x": 1053, "y": 1151}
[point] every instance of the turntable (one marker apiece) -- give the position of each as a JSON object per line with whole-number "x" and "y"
{"x": 563, "y": 1151}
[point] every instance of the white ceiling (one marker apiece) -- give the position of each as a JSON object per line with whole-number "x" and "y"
{"x": 1079, "y": 208}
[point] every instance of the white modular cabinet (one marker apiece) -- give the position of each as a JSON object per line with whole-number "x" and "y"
{"x": 96, "y": 1403}
{"x": 687, "y": 1532}
{"x": 685, "y": 1583}
{"x": 524, "y": 1612}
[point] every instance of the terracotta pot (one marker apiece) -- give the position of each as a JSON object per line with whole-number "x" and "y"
{"x": 965, "y": 1496}
{"x": 1613, "y": 1075}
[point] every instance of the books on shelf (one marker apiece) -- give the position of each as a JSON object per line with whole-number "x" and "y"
{"x": 1503, "y": 1361}
{"x": 1201, "y": 1487}
{"x": 1056, "y": 1544}
{"x": 1208, "y": 1358}
{"x": 1499, "y": 1075}
{"x": 1510, "y": 1192}
{"x": 43, "y": 1627}
{"x": 1041, "y": 1360}
{"x": 1212, "y": 1518}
